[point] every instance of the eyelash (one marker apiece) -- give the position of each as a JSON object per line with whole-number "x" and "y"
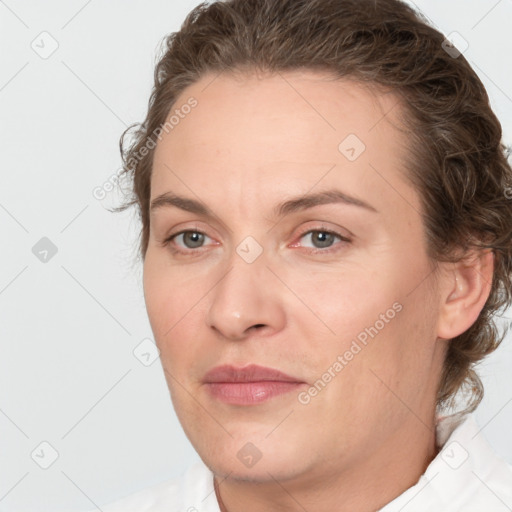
{"x": 168, "y": 241}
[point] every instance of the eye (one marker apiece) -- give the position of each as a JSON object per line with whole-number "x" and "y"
{"x": 323, "y": 240}
{"x": 188, "y": 239}
{"x": 190, "y": 242}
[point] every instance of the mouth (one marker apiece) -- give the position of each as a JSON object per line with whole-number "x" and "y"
{"x": 249, "y": 385}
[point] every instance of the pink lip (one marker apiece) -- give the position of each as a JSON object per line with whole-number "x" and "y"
{"x": 251, "y": 384}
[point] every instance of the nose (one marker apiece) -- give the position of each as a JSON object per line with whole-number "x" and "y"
{"x": 247, "y": 299}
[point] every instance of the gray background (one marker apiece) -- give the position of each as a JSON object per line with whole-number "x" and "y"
{"x": 69, "y": 325}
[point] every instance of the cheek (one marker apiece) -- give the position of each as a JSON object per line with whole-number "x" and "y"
{"x": 176, "y": 303}
{"x": 364, "y": 320}
{"x": 169, "y": 293}
{"x": 345, "y": 303}
{"x": 166, "y": 298}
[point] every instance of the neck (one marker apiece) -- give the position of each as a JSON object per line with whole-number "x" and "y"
{"x": 368, "y": 484}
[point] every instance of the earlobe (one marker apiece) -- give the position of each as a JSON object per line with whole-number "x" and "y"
{"x": 467, "y": 287}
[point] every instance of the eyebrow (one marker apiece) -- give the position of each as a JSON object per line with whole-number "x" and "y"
{"x": 287, "y": 207}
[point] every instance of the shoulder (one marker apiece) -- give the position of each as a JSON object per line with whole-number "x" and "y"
{"x": 191, "y": 492}
{"x": 489, "y": 475}
{"x": 470, "y": 475}
{"x": 465, "y": 476}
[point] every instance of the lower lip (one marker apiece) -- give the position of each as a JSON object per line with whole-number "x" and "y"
{"x": 247, "y": 393}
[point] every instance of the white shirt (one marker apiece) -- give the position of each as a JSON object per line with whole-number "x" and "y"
{"x": 465, "y": 476}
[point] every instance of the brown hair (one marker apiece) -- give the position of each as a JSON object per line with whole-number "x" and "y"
{"x": 456, "y": 161}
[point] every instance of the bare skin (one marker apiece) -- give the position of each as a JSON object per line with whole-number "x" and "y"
{"x": 250, "y": 144}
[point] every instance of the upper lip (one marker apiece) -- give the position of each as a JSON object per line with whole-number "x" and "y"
{"x": 250, "y": 373}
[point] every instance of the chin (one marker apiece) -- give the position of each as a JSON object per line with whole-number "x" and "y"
{"x": 262, "y": 472}
{"x": 252, "y": 458}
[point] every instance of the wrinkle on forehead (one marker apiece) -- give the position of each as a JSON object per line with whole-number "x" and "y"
{"x": 249, "y": 135}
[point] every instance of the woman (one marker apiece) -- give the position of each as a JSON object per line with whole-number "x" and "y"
{"x": 326, "y": 236}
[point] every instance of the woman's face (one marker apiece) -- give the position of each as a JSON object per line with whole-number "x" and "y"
{"x": 336, "y": 294}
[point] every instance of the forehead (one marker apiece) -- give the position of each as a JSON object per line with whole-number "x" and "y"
{"x": 294, "y": 129}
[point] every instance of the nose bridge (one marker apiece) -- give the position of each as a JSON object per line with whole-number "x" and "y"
{"x": 245, "y": 296}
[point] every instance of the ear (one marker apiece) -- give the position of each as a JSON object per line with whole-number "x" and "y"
{"x": 466, "y": 287}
